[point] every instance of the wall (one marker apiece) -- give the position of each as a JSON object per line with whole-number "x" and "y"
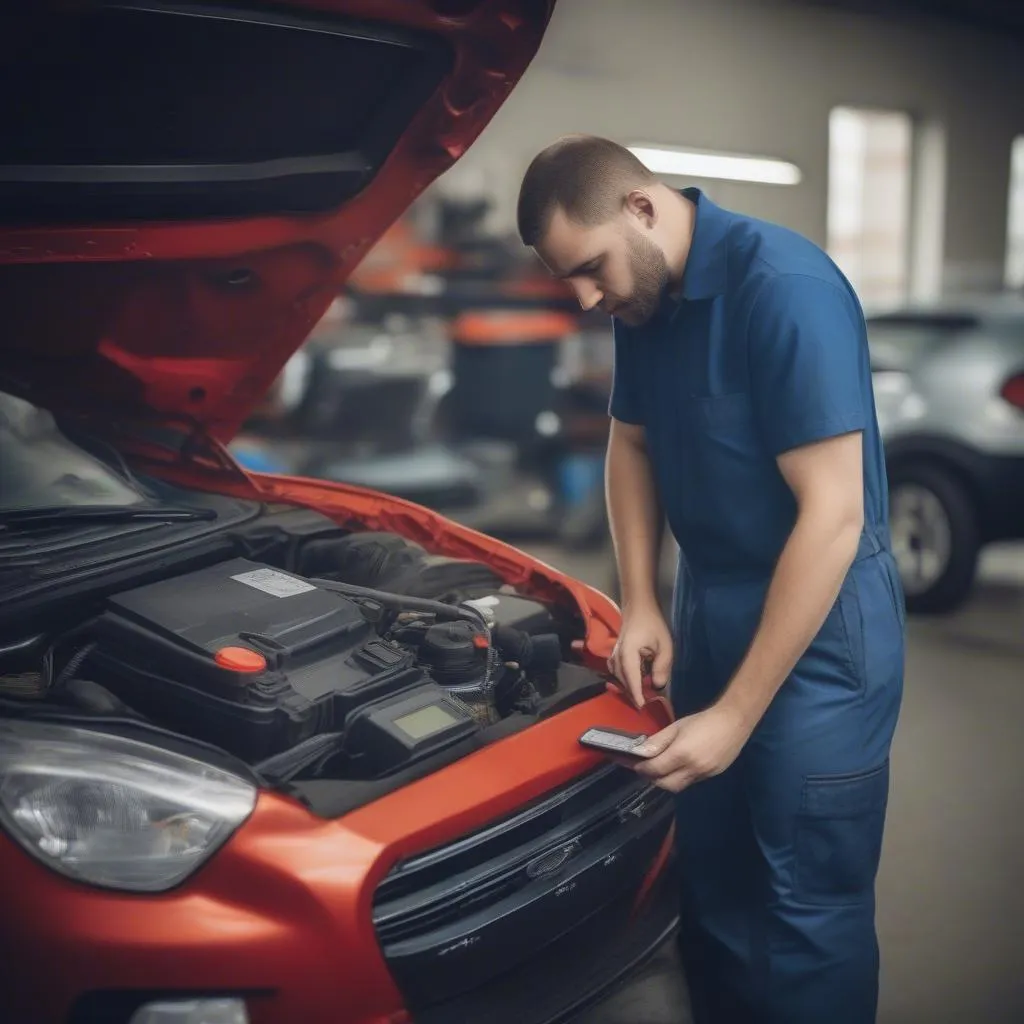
{"x": 760, "y": 76}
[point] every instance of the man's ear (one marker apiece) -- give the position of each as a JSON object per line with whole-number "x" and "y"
{"x": 640, "y": 205}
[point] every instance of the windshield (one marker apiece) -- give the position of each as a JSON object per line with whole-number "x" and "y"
{"x": 41, "y": 467}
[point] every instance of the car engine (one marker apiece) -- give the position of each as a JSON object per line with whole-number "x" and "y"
{"x": 364, "y": 658}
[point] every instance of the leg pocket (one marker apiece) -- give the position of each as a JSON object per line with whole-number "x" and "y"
{"x": 839, "y": 836}
{"x": 892, "y": 576}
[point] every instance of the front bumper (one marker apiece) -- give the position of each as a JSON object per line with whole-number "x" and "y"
{"x": 575, "y": 971}
{"x": 283, "y": 916}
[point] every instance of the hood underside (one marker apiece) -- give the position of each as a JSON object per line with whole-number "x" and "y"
{"x": 185, "y": 188}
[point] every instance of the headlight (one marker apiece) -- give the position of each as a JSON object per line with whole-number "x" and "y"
{"x": 112, "y": 811}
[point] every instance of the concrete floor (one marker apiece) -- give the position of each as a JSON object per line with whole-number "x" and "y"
{"x": 950, "y": 900}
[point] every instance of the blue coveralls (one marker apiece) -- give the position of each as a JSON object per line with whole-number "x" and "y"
{"x": 764, "y": 351}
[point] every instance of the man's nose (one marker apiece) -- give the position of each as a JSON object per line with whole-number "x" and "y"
{"x": 588, "y": 294}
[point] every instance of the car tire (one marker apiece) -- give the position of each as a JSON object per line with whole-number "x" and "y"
{"x": 935, "y": 537}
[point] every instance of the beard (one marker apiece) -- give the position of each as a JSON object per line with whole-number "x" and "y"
{"x": 650, "y": 280}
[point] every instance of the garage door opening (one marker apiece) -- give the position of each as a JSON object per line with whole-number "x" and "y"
{"x": 869, "y": 197}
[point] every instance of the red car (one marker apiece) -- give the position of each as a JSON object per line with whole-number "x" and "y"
{"x": 271, "y": 750}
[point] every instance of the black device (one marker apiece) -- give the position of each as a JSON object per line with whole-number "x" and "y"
{"x": 613, "y": 741}
{"x": 453, "y": 652}
{"x": 245, "y": 656}
{"x": 392, "y": 734}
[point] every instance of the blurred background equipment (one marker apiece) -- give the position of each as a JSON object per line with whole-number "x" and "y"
{"x": 457, "y": 374}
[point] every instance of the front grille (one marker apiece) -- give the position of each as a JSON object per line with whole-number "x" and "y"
{"x": 459, "y": 916}
{"x": 440, "y": 887}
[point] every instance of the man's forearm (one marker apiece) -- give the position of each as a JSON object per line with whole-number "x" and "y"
{"x": 634, "y": 516}
{"x": 805, "y": 585}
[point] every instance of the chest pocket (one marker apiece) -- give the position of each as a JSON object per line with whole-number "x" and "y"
{"x": 723, "y": 422}
{"x": 722, "y": 434}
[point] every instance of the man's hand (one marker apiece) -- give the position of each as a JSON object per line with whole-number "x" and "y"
{"x": 645, "y": 640}
{"x": 693, "y": 748}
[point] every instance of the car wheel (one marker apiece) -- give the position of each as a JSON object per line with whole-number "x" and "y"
{"x": 934, "y": 536}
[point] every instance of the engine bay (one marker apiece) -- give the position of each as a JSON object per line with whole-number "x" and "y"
{"x": 335, "y": 656}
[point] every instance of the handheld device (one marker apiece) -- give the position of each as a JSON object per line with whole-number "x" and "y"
{"x": 613, "y": 741}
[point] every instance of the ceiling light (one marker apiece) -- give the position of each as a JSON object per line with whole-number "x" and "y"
{"x": 691, "y": 163}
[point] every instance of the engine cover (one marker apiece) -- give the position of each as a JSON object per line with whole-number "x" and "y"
{"x": 245, "y": 656}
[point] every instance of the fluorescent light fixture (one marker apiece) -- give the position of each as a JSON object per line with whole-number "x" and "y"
{"x": 691, "y": 163}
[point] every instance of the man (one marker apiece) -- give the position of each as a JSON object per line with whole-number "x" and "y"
{"x": 742, "y": 407}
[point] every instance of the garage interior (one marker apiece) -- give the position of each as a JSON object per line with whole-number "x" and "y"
{"x": 944, "y": 83}
{"x": 452, "y": 372}
{"x": 903, "y": 120}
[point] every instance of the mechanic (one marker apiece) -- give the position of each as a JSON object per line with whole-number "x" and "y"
{"x": 742, "y": 411}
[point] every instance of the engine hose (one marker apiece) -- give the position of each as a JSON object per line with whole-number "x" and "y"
{"x": 542, "y": 651}
{"x": 447, "y": 612}
{"x": 283, "y": 767}
{"x": 76, "y": 662}
{"x": 400, "y": 603}
{"x": 490, "y": 682}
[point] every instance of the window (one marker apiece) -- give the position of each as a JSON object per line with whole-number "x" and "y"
{"x": 1015, "y": 218}
{"x": 870, "y": 160}
{"x": 677, "y": 162}
{"x": 41, "y": 467}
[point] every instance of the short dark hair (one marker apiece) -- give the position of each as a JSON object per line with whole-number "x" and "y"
{"x": 586, "y": 176}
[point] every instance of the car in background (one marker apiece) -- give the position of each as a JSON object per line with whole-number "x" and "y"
{"x": 949, "y": 391}
{"x": 273, "y": 750}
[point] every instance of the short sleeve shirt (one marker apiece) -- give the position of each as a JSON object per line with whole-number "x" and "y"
{"x": 764, "y": 351}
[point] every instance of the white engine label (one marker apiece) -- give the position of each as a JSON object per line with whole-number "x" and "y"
{"x": 270, "y": 581}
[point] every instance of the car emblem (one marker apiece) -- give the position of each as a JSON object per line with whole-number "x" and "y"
{"x": 467, "y": 943}
{"x": 635, "y": 810}
{"x": 552, "y": 861}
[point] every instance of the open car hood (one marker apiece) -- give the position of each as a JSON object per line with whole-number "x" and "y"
{"x": 184, "y": 188}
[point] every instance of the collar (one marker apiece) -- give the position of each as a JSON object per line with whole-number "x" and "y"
{"x": 706, "y": 269}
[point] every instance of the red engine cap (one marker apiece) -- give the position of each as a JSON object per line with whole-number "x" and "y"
{"x": 240, "y": 659}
